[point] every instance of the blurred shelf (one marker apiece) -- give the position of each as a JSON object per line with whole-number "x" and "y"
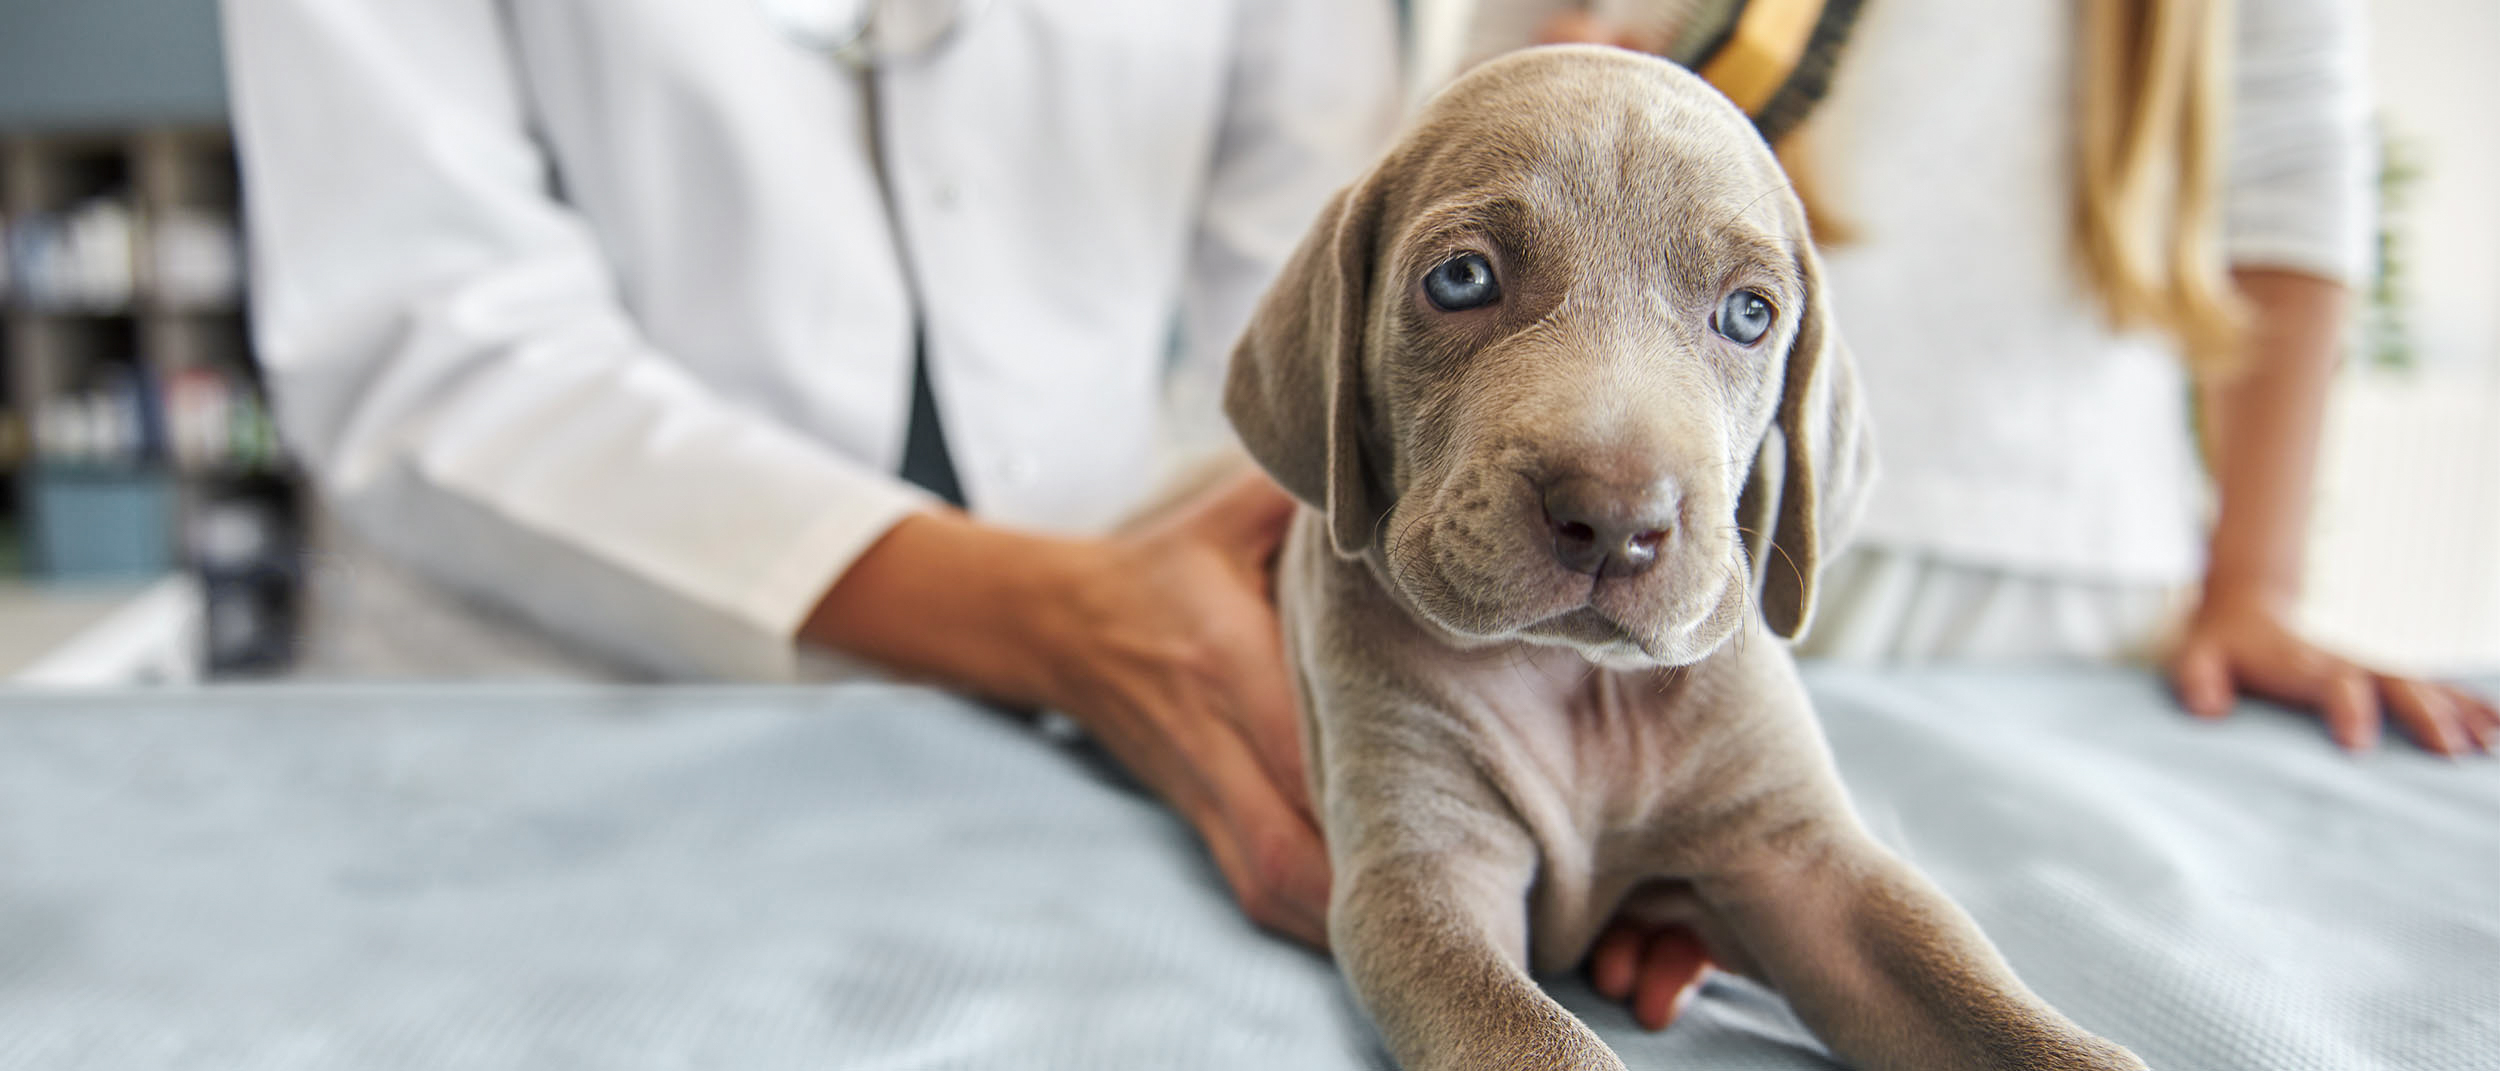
{"x": 134, "y": 437}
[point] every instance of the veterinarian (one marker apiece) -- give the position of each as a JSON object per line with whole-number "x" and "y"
{"x": 697, "y": 334}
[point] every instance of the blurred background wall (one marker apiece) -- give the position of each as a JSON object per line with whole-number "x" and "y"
{"x": 109, "y": 62}
{"x": 2405, "y": 555}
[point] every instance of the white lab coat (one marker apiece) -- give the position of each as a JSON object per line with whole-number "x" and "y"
{"x": 594, "y": 309}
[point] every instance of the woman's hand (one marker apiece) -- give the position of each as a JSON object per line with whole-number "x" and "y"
{"x": 1162, "y": 642}
{"x": 2244, "y": 646}
{"x": 1653, "y": 969}
{"x": 2262, "y": 426}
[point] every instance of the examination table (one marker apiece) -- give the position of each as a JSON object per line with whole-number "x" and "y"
{"x": 558, "y": 877}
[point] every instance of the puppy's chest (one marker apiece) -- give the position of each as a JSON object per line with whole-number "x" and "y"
{"x": 1617, "y": 779}
{"x": 1600, "y": 762}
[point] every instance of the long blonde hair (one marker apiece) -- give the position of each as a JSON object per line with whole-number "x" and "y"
{"x": 2154, "y": 97}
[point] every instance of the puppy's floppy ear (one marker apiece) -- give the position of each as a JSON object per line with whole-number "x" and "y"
{"x": 1826, "y": 460}
{"x": 1295, "y": 389}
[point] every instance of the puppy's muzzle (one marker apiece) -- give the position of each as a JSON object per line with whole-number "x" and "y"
{"x": 1611, "y": 528}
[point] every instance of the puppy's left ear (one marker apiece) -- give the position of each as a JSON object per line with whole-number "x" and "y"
{"x": 1825, "y": 456}
{"x": 1295, "y": 390}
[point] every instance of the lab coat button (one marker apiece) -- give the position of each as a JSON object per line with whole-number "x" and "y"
{"x": 945, "y": 195}
{"x": 1018, "y": 467}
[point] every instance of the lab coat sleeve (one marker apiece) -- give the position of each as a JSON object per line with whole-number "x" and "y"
{"x": 2301, "y": 185}
{"x": 450, "y": 359}
{"x": 1311, "y": 100}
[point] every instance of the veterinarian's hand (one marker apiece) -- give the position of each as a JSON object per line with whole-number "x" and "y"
{"x": 2241, "y": 646}
{"x": 1653, "y": 969}
{"x": 1171, "y": 656}
{"x": 1162, "y": 642}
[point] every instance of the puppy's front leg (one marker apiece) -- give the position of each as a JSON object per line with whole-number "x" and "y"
{"x": 1888, "y": 971}
{"x": 1433, "y": 937}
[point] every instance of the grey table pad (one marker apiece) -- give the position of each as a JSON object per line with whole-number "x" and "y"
{"x": 878, "y": 877}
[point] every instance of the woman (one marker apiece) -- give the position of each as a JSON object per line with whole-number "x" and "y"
{"x": 2079, "y": 235}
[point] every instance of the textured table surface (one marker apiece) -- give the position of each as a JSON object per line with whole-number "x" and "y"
{"x": 874, "y": 877}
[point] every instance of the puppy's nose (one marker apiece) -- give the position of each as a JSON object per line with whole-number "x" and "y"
{"x": 1607, "y": 529}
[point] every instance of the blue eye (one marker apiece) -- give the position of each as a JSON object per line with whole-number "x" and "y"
{"x": 1462, "y": 282}
{"x": 1744, "y": 317}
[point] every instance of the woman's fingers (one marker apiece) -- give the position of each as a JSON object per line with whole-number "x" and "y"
{"x": 2481, "y": 719}
{"x": 2202, "y": 676}
{"x": 2236, "y": 650}
{"x": 1614, "y": 963}
{"x": 2348, "y": 703}
{"x": 1653, "y": 969}
{"x": 1672, "y": 967}
{"x": 2426, "y": 712}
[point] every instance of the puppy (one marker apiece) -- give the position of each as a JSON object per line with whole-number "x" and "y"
{"x": 1556, "y": 384}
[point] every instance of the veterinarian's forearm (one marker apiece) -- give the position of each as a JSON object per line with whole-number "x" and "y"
{"x": 942, "y": 598}
{"x": 2262, "y": 426}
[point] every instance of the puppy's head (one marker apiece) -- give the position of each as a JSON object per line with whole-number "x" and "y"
{"x": 1560, "y": 366}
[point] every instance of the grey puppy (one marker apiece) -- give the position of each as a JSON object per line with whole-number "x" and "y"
{"x": 1556, "y": 384}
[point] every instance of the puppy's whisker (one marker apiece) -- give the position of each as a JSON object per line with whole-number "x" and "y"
{"x": 1746, "y": 604}
{"x": 1793, "y": 568}
{"x": 1774, "y": 545}
{"x": 1789, "y": 185}
{"x": 1518, "y": 663}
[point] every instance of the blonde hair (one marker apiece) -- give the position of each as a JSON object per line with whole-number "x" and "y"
{"x": 2152, "y": 99}
{"x": 2154, "y": 94}
{"x": 1824, "y": 219}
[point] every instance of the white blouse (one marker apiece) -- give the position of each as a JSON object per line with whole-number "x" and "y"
{"x": 2016, "y": 429}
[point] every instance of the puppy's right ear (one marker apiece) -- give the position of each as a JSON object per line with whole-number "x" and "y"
{"x": 1295, "y": 390}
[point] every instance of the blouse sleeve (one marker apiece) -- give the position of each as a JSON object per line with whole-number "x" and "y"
{"x": 2301, "y": 189}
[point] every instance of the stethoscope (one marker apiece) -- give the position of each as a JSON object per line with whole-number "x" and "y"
{"x": 864, "y": 34}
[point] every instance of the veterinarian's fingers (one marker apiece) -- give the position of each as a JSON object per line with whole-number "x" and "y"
{"x": 2349, "y": 706}
{"x": 2425, "y": 713}
{"x": 1259, "y": 696}
{"x": 1279, "y": 875}
{"x": 1671, "y": 971}
{"x": 2202, "y": 677}
{"x": 1197, "y": 760}
{"x": 1269, "y": 853}
{"x": 1247, "y": 515}
{"x": 1616, "y": 959}
{"x": 1272, "y": 721}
